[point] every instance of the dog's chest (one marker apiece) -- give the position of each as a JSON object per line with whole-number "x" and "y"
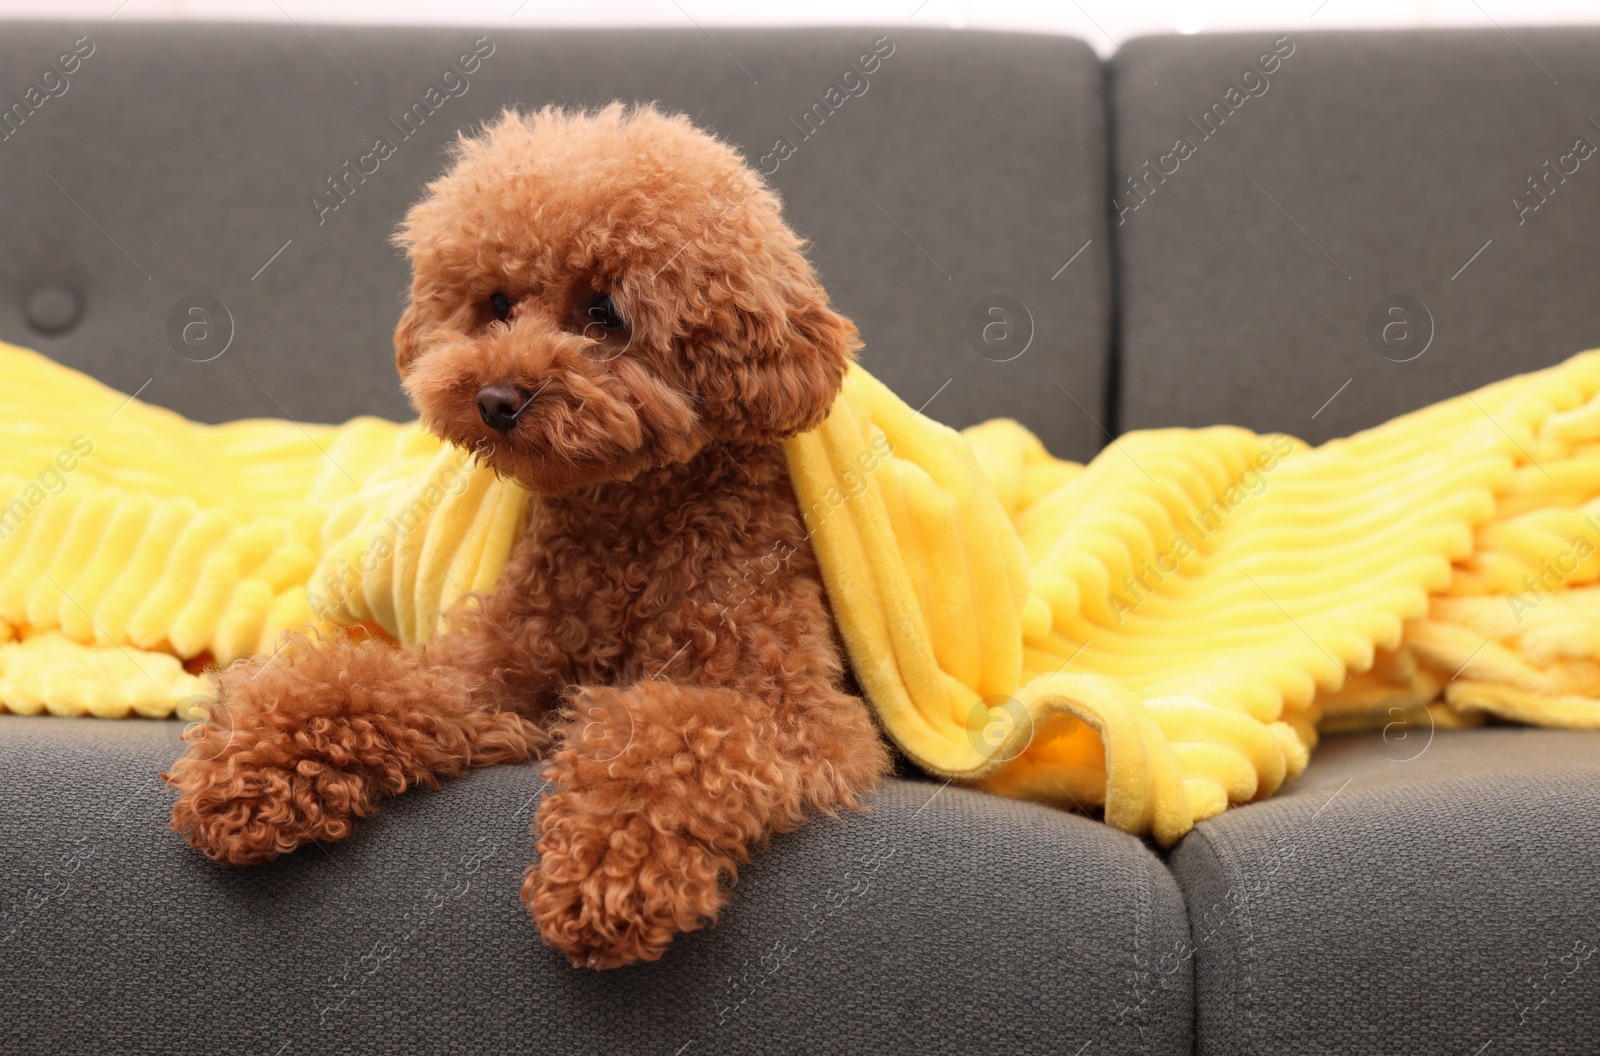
{"x": 677, "y": 545}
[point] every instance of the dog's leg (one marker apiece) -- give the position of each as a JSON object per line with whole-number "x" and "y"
{"x": 303, "y": 743}
{"x": 661, "y": 790}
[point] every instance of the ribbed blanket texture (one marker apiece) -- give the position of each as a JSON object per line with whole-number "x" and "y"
{"x": 1159, "y": 633}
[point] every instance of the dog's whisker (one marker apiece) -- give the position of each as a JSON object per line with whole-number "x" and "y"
{"x": 518, "y": 413}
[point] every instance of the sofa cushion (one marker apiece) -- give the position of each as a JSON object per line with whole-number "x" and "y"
{"x": 1425, "y": 891}
{"x": 940, "y": 920}
{"x": 960, "y": 173}
{"x": 1281, "y": 270}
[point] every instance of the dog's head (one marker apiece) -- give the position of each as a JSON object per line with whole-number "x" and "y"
{"x": 597, "y": 294}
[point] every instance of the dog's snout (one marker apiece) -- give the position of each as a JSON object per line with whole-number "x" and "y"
{"x": 499, "y": 405}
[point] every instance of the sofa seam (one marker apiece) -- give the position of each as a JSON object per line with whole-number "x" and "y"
{"x": 1225, "y": 856}
{"x": 1141, "y": 927}
{"x": 1112, "y": 408}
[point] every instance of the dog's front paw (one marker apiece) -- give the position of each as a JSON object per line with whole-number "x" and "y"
{"x": 278, "y": 763}
{"x": 241, "y": 811}
{"x": 613, "y": 891}
{"x": 303, "y": 744}
{"x": 255, "y": 818}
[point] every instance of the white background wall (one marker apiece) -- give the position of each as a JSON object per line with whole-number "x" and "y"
{"x": 1103, "y": 22}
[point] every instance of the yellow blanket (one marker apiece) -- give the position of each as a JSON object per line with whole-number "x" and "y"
{"x": 1161, "y": 631}
{"x": 133, "y": 540}
{"x": 1158, "y": 633}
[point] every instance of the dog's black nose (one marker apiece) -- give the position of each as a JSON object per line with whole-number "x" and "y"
{"x": 499, "y": 405}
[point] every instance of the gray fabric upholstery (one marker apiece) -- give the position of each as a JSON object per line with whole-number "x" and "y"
{"x": 1398, "y": 154}
{"x": 938, "y": 921}
{"x": 1405, "y": 895}
{"x": 197, "y": 149}
{"x": 1430, "y": 904}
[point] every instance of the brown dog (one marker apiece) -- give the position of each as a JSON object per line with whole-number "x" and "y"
{"x": 609, "y": 309}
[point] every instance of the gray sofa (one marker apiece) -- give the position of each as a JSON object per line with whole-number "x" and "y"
{"x": 1416, "y": 890}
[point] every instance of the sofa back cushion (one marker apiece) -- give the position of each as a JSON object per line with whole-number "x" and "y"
{"x": 1379, "y": 220}
{"x": 200, "y": 212}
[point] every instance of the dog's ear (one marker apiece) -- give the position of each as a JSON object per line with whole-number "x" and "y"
{"x": 408, "y": 335}
{"x": 776, "y": 358}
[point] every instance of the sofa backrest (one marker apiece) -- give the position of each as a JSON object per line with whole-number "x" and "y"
{"x": 201, "y": 212}
{"x": 1317, "y": 231}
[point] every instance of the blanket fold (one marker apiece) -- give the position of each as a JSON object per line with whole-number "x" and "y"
{"x": 1194, "y": 602}
{"x": 1158, "y": 634}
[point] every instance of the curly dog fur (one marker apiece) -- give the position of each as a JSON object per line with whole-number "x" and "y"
{"x": 608, "y": 308}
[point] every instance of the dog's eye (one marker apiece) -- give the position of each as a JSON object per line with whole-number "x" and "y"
{"x": 603, "y": 313}
{"x": 501, "y": 304}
